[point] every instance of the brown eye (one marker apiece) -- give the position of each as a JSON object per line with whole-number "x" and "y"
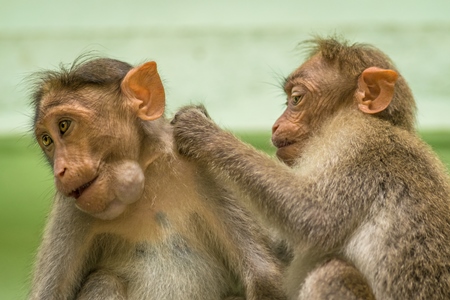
{"x": 64, "y": 126}
{"x": 46, "y": 140}
{"x": 297, "y": 99}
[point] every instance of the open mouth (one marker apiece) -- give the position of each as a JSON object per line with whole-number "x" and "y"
{"x": 76, "y": 193}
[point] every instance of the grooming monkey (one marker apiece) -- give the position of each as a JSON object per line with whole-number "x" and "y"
{"x": 364, "y": 203}
{"x": 131, "y": 219}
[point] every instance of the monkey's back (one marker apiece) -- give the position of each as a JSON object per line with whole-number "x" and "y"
{"x": 402, "y": 245}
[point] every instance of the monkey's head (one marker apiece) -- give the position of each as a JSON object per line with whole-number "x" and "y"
{"x": 89, "y": 123}
{"x": 335, "y": 77}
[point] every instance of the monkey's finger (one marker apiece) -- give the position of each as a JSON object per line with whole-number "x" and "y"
{"x": 203, "y": 110}
{"x": 190, "y": 111}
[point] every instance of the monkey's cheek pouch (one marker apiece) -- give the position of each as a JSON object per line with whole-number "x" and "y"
{"x": 130, "y": 181}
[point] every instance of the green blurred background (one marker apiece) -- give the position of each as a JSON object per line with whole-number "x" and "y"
{"x": 230, "y": 55}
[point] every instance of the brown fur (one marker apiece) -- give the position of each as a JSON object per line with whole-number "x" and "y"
{"x": 151, "y": 225}
{"x": 362, "y": 187}
{"x": 336, "y": 280}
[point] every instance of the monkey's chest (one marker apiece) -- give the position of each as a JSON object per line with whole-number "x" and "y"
{"x": 172, "y": 270}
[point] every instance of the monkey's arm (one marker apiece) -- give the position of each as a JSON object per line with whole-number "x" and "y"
{"x": 62, "y": 256}
{"x": 246, "y": 248}
{"x": 301, "y": 205}
{"x": 235, "y": 237}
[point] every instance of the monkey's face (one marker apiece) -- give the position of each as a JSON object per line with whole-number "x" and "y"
{"x": 93, "y": 137}
{"x": 310, "y": 101}
{"x": 94, "y": 159}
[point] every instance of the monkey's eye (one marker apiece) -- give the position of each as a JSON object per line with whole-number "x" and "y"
{"x": 296, "y": 99}
{"x": 64, "y": 126}
{"x": 46, "y": 140}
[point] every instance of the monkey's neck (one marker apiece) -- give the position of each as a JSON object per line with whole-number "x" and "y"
{"x": 157, "y": 142}
{"x": 343, "y": 133}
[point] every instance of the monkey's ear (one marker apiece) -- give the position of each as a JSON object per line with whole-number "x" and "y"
{"x": 143, "y": 86}
{"x": 375, "y": 89}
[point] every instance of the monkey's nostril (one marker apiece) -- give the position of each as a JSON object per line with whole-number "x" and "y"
{"x": 60, "y": 172}
{"x": 274, "y": 128}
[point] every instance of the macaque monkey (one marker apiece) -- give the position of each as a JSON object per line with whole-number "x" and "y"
{"x": 132, "y": 219}
{"x": 362, "y": 200}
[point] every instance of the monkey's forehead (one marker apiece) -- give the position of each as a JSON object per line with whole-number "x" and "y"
{"x": 312, "y": 74}
{"x": 86, "y": 97}
{"x": 300, "y": 77}
{"x": 60, "y": 106}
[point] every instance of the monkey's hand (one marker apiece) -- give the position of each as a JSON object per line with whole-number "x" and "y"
{"x": 185, "y": 109}
{"x": 193, "y": 130}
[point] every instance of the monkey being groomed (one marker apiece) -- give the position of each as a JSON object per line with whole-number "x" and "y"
{"x": 131, "y": 219}
{"x": 364, "y": 203}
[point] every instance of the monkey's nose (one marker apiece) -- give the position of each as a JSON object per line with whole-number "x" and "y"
{"x": 59, "y": 168}
{"x": 274, "y": 128}
{"x": 60, "y": 172}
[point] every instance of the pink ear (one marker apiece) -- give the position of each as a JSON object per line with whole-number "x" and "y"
{"x": 375, "y": 89}
{"x": 144, "y": 88}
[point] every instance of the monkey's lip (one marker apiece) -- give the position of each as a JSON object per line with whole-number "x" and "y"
{"x": 76, "y": 193}
{"x": 287, "y": 151}
{"x": 283, "y": 143}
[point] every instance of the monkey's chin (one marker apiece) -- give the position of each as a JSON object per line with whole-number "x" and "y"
{"x": 107, "y": 207}
{"x": 101, "y": 205}
{"x": 112, "y": 211}
{"x": 108, "y": 197}
{"x": 288, "y": 154}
